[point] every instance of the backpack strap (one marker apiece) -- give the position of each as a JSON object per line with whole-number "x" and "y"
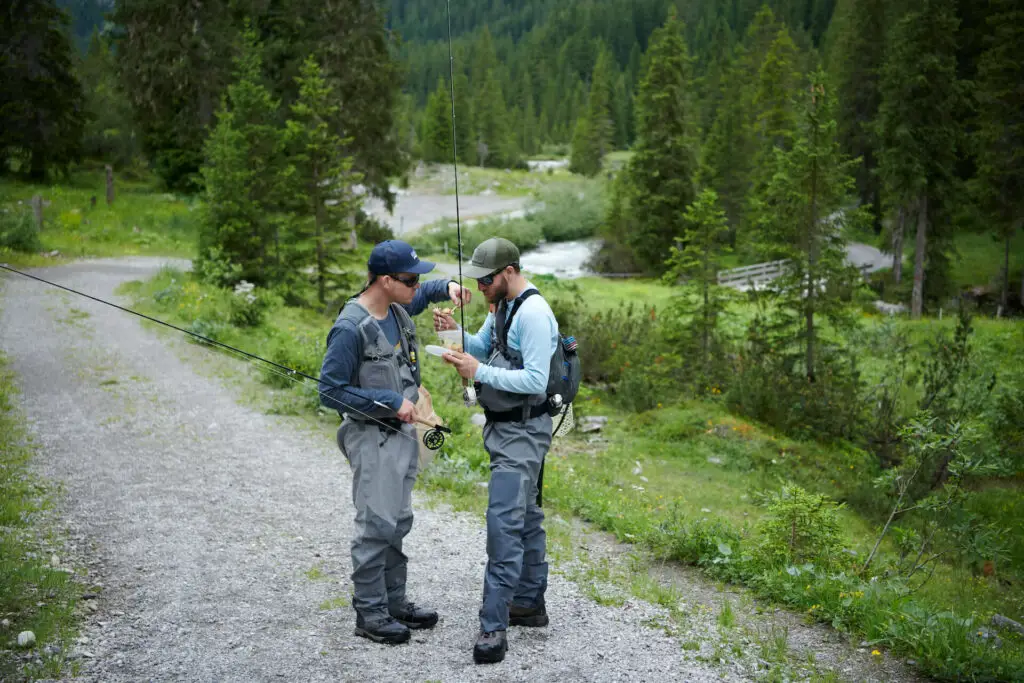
{"x": 507, "y": 323}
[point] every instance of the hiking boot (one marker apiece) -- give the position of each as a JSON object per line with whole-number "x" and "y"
{"x": 414, "y": 617}
{"x": 490, "y": 647}
{"x": 528, "y": 616}
{"x": 387, "y": 631}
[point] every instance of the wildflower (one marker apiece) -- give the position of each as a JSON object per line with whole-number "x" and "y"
{"x": 876, "y": 653}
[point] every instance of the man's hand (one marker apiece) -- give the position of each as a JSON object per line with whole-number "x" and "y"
{"x": 465, "y": 363}
{"x": 444, "y": 321}
{"x": 459, "y": 295}
{"x": 405, "y": 413}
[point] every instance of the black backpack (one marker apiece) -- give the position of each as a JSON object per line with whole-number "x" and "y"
{"x": 566, "y": 370}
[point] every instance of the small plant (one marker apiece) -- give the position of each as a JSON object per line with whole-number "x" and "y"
{"x": 726, "y": 616}
{"x": 247, "y": 305}
{"x": 800, "y": 528}
{"x": 18, "y": 231}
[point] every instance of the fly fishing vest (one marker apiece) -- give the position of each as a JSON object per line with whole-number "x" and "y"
{"x": 500, "y": 405}
{"x": 381, "y": 365}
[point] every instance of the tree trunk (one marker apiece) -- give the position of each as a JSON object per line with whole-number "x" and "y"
{"x": 1004, "y": 296}
{"x": 321, "y": 256}
{"x": 705, "y": 333}
{"x": 917, "y": 299}
{"x": 110, "y": 185}
{"x": 897, "y": 245}
{"x": 812, "y": 263}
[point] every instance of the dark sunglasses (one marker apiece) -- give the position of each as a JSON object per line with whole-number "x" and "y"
{"x": 408, "y": 281}
{"x": 488, "y": 280}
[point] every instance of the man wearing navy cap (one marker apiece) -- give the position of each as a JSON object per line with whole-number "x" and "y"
{"x": 371, "y": 376}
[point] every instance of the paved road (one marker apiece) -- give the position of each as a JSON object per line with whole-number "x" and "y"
{"x": 220, "y": 534}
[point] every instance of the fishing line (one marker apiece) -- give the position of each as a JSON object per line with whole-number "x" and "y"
{"x": 469, "y": 390}
{"x": 277, "y": 368}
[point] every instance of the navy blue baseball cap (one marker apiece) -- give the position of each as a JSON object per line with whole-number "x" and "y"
{"x": 396, "y": 256}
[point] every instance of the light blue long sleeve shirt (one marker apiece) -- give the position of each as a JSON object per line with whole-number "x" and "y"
{"x": 533, "y": 334}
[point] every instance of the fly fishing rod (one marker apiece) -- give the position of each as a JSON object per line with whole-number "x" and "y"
{"x": 468, "y": 391}
{"x": 432, "y": 439}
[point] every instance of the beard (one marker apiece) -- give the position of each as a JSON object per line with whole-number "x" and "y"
{"x": 498, "y": 292}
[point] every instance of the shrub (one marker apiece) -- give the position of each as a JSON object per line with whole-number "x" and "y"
{"x": 18, "y": 230}
{"x": 799, "y": 528}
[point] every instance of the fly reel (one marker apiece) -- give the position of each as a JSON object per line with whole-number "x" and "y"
{"x": 434, "y": 438}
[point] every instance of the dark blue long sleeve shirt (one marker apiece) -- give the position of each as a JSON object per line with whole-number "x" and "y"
{"x": 345, "y": 349}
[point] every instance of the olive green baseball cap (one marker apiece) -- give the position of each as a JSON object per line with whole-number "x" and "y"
{"x": 493, "y": 254}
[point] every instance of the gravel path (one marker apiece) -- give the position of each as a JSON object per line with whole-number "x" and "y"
{"x": 218, "y": 533}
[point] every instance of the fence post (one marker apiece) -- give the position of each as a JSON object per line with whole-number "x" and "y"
{"x": 110, "y": 185}
{"x": 37, "y": 211}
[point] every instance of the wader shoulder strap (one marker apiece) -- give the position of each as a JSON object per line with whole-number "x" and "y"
{"x": 507, "y": 322}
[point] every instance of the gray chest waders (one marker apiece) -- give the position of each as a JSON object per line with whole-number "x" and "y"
{"x": 517, "y": 437}
{"x": 384, "y": 467}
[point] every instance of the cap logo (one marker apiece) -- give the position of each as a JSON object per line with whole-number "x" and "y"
{"x": 414, "y": 254}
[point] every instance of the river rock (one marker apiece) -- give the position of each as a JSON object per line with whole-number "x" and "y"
{"x": 26, "y": 639}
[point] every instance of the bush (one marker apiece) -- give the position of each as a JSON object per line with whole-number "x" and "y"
{"x": 1008, "y": 425}
{"x": 18, "y": 230}
{"x": 568, "y": 215}
{"x": 800, "y": 528}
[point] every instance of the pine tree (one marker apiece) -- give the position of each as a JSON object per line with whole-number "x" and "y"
{"x": 319, "y": 176}
{"x": 464, "y": 127}
{"x": 110, "y": 134}
{"x": 242, "y": 179}
{"x": 174, "y": 60}
{"x": 1000, "y": 130}
{"x": 699, "y": 262}
{"x": 662, "y": 167}
{"x": 773, "y": 102}
{"x": 804, "y": 221}
{"x": 857, "y": 61}
{"x": 436, "y": 133}
{"x": 920, "y": 137}
{"x": 41, "y": 104}
{"x": 595, "y": 130}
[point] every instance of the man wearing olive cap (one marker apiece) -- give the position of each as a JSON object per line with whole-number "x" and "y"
{"x": 371, "y": 376}
{"x": 516, "y": 344}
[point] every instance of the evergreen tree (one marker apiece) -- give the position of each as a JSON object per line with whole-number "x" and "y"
{"x": 804, "y": 221}
{"x": 1000, "y": 130}
{"x": 857, "y": 61}
{"x": 41, "y": 104}
{"x": 662, "y": 167}
{"x": 464, "y": 127}
{"x": 436, "y": 134}
{"x": 773, "y": 102}
{"x": 919, "y": 134}
{"x": 110, "y": 133}
{"x": 699, "y": 262}
{"x": 242, "y": 174}
{"x": 319, "y": 176}
{"x": 595, "y": 130}
{"x": 174, "y": 60}
{"x": 724, "y": 163}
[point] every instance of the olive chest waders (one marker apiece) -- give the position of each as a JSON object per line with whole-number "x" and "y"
{"x": 384, "y": 467}
{"x": 517, "y": 436}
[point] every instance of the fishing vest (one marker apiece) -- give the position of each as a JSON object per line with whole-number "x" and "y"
{"x": 381, "y": 365}
{"x": 497, "y": 401}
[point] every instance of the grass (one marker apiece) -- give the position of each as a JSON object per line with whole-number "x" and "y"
{"x": 474, "y": 180}
{"x": 36, "y": 594}
{"x": 141, "y": 220}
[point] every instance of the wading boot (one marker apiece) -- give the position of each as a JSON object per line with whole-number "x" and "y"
{"x": 528, "y": 616}
{"x": 490, "y": 647}
{"x": 387, "y": 631}
{"x": 414, "y": 617}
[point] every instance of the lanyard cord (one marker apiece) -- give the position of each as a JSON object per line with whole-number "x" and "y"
{"x": 277, "y": 368}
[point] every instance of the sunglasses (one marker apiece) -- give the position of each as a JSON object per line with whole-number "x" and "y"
{"x": 488, "y": 280}
{"x": 408, "y": 280}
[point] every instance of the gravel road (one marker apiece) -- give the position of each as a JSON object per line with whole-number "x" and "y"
{"x": 220, "y": 534}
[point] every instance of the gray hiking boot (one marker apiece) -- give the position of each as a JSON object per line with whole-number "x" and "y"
{"x": 528, "y": 616}
{"x": 387, "y": 631}
{"x": 414, "y": 617}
